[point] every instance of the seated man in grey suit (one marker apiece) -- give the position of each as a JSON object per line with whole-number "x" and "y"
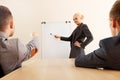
{"x": 108, "y": 55}
{"x": 12, "y": 51}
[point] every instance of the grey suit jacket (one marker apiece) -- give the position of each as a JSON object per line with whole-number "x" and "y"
{"x": 13, "y": 52}
{"x": 107, "y": 56}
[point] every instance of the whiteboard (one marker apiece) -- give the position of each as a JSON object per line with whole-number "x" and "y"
{"x": 52, "y": 47}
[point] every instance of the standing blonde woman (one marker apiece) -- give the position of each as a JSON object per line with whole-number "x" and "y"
{"x": 77, "y": 38}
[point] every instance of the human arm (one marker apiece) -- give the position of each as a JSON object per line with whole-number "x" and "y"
{"x": 35, "y": 50}
{"x": 95, "y": 59}
{"x": 29, "y": 50}
{"x": 64, "y": 38}
{"x": 88, "y": 36}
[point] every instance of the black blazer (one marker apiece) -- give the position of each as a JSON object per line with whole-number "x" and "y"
{"x": 107, "y": 56}
{"x": 79, "y": 34}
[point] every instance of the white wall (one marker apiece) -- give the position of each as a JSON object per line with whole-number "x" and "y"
{"x": 28, "y": 15}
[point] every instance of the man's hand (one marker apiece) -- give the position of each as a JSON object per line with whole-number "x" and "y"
{"x": 33, "y": 52}
{"x": 33, "y": 33}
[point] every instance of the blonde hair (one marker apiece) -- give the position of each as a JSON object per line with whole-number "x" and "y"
{"x": 80, "y": 15}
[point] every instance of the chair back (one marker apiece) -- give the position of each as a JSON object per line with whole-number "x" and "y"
{"x": 1, "y": 72}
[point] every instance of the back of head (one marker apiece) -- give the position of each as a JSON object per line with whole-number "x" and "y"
{"x": 115, "y": 11}
{"x": 5, "y": 16}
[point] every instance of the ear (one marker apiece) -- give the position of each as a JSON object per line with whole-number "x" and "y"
{"x": 114, "y": 23}
{"x": 11, "y": 24}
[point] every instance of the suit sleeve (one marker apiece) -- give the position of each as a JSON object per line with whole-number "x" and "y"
{"x": 95, "y": 59}
{"x": 66, "y": 38}
{"x": 88, "y": 35}
{"x": 25, "y": 50}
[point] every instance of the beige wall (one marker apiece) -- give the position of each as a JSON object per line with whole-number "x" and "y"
{"x": 28, "y": 15}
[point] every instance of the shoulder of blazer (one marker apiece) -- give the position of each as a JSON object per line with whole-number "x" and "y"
{"x": 109, "y": 42}
{"x": 111, "y": 39}
{"x": 81, "y": 26}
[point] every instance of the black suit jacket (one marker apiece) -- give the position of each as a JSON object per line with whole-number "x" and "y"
{"x": 107, "y": 56}
{"x": 79, "y": 34}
